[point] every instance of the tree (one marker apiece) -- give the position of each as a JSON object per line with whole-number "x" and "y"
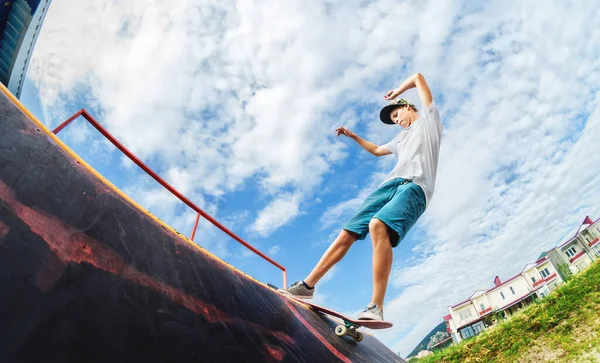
{"x": 565, "y": 271}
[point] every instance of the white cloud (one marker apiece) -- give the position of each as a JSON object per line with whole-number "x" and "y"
{"x": 224, "y": 95}
{"x": 346, "y": 208}
{"x": 276, "y": 214}
{"x": 329, "y": 275}
{"x": 225, "y": 91}
{"x": 273, "y": 250}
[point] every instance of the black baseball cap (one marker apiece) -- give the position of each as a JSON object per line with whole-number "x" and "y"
{"x": 384, "y": 114}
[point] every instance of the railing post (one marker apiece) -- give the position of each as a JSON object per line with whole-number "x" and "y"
{"x": 195, "y": 226}
{"x": 66, "y": 123}
{"x": 284, "y": 278}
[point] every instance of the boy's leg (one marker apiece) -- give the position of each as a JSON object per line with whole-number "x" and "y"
{"x": 382, "y": 259}
{"x": 336, "y": 251}
{"x": 382, "y": 266}
{"x": 357, "y": 228}
{"x": 387, "y": 228}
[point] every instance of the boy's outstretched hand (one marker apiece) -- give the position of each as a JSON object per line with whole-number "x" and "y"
{"x": 342, "y": 130}
{"x": 392, "y": 94}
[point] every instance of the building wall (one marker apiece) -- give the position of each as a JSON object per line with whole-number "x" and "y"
{"x": 547, "y": 271}
{"x": 533, "y": 277}
{"x": 577, "y": 247}
{"x": 464, "y": 315}
{"x": 482, "y": 304}
{"x": 557, "y": 258}
{"x": 20, "y": 31}
{"x": 509, "y": 292}
{"x": 591, "y": 238}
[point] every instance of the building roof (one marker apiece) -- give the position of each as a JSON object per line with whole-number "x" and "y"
{"x": 460, "y": 303}
{"x": 477, "y": 294}
{"x": 574, "y": 239}
{"x": 543, "y": 261}
{"x": 504, "y": 283}
{"x": 587, "y": 221}
{"x": 529, "y": 266}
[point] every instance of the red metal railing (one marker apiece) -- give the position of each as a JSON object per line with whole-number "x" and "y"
{"x": 574, "y": 258}
{"x": 483, "y": 312}
{"x": 550, "y": 277}
{"x": 166, "y": 185}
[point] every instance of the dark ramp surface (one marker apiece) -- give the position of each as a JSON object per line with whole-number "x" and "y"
{"x": 87, "y": 276}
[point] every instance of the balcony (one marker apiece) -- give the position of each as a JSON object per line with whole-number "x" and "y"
{"x": 481, "y": 313}
{"x": 539, "y": 282}
{"x": 594, "y": 242}
{"x": 576, "y": 257}
{"x": 550, "y": 278}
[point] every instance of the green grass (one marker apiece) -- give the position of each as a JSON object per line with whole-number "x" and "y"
{"x": 564, "y": 326}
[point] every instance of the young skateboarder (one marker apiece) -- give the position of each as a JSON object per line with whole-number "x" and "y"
{"x": 395, "y": 206}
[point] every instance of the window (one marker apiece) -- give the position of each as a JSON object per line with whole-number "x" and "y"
{"x": 478, "y": 327}
{"x": 571, "y": 251}
{"x": 545, "y": 273}
{"x": 472, "y": 330}
{"x": 533, "y": 279}
{"x": 482, "y": 307}
{"x": 512, "y": 290}
{"x": 467, "y": 332}
{"x": 502, "y": 294}
{"x": 465, "y": 314}
{"x": 588, "y": 239}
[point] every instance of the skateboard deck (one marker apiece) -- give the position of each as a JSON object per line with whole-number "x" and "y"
{"x": 350, "y": 325}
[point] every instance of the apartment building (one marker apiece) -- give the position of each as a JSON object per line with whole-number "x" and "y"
{"x": 579, "y": 251}
{"x": 484, "y": 307}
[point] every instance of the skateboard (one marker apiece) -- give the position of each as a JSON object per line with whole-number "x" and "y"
{"x": 350, "y": 326}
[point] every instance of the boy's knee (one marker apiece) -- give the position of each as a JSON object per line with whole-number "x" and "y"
{"x": 376, "y": 226}
{"x": 347, "y": 238}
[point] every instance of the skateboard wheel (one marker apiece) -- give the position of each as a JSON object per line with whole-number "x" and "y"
{"x": 358, "y": 338}
{"x": 340, "y": 330}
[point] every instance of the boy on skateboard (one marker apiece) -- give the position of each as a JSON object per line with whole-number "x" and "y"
{"x": 398, "y": 202}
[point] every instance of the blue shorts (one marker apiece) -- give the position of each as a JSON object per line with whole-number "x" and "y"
{"x": 398, "y": 203}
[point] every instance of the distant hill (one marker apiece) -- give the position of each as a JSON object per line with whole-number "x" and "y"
{"x": 423, "y": 344}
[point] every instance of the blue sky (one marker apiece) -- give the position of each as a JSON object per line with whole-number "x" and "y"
{"x": 236, "y": 103}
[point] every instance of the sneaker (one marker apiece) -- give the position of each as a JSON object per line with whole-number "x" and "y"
{"x": 298, "y": 290}
{"x": 372, "y": 312}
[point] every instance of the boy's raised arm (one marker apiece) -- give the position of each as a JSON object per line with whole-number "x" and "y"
{"x": 416, "y": 80}
{"x": 367, "y": 145}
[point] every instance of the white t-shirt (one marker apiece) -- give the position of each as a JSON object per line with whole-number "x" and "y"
{"x": 417, "y": 149}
